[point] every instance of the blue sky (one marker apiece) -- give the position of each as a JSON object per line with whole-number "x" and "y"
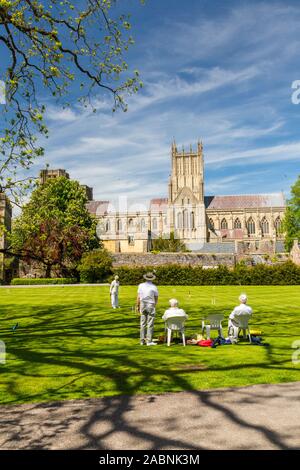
{"x": 218, "y": 71}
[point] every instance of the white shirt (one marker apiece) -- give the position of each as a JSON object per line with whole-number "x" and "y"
{"x": 240, "y": 310}
{"x": 114, "y": 287}
{"x": 148, "y": 292}
{"x": 174, "y": 312}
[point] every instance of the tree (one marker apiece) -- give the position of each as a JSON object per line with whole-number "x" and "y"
{"x": 169, "y": 245}
{"x": 48, "y": 45}
{"x": 291, "y": 222}
{"x": 95, "y": 266}
{"x": 55, "y": 227}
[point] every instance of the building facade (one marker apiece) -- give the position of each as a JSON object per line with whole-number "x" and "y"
{"x": 198, "y": 220}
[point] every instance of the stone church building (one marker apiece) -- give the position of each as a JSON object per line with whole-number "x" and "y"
{"x": 201, "y": 222}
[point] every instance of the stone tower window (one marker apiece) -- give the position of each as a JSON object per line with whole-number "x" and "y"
{"x": 277, "y": 225}
{"x": 119, "y": 225}
{"x": 192, "y": 220}
{"x": 179, "y": 220}
{"x": 264, "y": 226}
{"x": 237, "y": 223}
{"x": 224, "y": 224}
{"x": 143, "y": 225}
{"x": 251, "y": 226}
{"x": 211, "y": 224}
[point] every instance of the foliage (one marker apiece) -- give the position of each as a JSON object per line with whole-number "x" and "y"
{"x": 55, "y": 227}
{"x": 282, "y": 274}
{"x": 70, "y": 344}
{"x": 95, "y": 266}
{"x": 170, "y": 244}
{"x": 42, "y": 281}
{"x": 56, "y": 45}
{"x": 291, "y": 222}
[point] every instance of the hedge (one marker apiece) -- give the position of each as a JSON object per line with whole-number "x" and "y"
{"x": 41, "y": 281}
{"x": 282, "y": 274}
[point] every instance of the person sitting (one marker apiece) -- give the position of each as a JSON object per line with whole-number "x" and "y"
{"x": 174, "y": 311}
{"x": 241, "y": 310}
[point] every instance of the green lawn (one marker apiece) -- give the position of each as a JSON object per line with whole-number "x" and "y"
{"x": 71, "y": 344}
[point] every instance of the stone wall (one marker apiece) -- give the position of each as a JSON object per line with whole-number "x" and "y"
{"x": 159, "y": 259}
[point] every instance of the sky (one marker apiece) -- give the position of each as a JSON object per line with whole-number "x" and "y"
{"x": 217, "y": 71}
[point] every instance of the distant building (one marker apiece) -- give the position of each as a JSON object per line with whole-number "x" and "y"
{"x": 198, "y": 220}
{"x": 50, "y": 174}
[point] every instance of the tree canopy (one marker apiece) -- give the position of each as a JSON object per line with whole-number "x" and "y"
{"x": 45, "y": 46}
{"x": 55, "y": 227}
{"x": 291, "y": 223}
{"x": 170, "y": 244}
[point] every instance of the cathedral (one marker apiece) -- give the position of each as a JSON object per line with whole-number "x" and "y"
{"x": 201, "y": 222}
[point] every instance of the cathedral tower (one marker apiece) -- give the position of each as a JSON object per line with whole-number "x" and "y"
{"x": 186, "y": 195}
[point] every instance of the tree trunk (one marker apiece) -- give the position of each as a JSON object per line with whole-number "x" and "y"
{"x": 48, "y": 271}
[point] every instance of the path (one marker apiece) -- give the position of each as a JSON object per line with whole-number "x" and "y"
{"x": 256, "y": 417}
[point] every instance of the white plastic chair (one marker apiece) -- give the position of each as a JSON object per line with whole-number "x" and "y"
{"x": 242, "y": 322}
{"x": 213, "y": 322}
{"x": 175, "y": 324}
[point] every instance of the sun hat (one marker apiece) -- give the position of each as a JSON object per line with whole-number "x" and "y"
{"x": 149, "y": 276}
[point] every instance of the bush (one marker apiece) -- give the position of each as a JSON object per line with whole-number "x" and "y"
{"x": 40, "y": 281}
{"x": 95, "y": 266}
{"x": 175, "y": 274}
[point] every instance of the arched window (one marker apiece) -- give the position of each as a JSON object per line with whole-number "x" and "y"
{"x": 251, "y": 226}
{"x": 211, "y": 224}
{"x": 107, "y": 226}
{"x": 143, "y": 225}
{"x": 237, "y": 223}
{"x": 277, "y": 225}
{"x": 179, "y": 220}
{"x": 185, "y": 219}
{"x": 119, "y": 225}
{"x": 224, "y": 224}
{"x": 192, "y": 220}
{"x": 154, "y": 224}
{"x": 130, "y": 224}
{"x": 264, "y": 226}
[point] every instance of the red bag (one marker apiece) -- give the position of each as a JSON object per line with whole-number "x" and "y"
{"x": 205, "y": 342}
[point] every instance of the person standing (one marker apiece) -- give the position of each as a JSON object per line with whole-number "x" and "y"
{"x": 114, "y": 292}
{"x": 147, "y": 299}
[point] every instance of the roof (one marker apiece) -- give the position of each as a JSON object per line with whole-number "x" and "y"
{"x": 159, "y": 204}
{"x": 247, "y": 201}
{"x": 97, "y": 207}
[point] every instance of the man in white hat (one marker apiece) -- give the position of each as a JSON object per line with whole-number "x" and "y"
{"x": 147, "y": 299}
{"x": 114, "y": 292}
{"x": 240, "y": 310}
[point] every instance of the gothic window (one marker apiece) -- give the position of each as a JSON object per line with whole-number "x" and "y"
{"x": 179, "y": 220}
{"x": 264, "y": 226}
{"x": 237, "y": 223}
{"x": 211, "y": 224}
{"x": 251, "y": 226}
{"x": 119, "y": 225}
{"x": 185, "y": 219}
{"x": 154, "y": 224}
{"x": 224, "y": 224}
{"x": 277, "y": 225}
{"x": 192, "y": 220}
{"x": 130, "y": 224}
{"x": 107, "y": 226}
{"x": 182, "y": 202}
{"x": 143, "y": 225}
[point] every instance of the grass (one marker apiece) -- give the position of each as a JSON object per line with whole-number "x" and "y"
{"x": 71, "y": 344}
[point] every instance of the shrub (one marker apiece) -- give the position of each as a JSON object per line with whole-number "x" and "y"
{"x": 40, "y": 281}
{"x": 175, "y": 274}
{"x": 95, "y": 266}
